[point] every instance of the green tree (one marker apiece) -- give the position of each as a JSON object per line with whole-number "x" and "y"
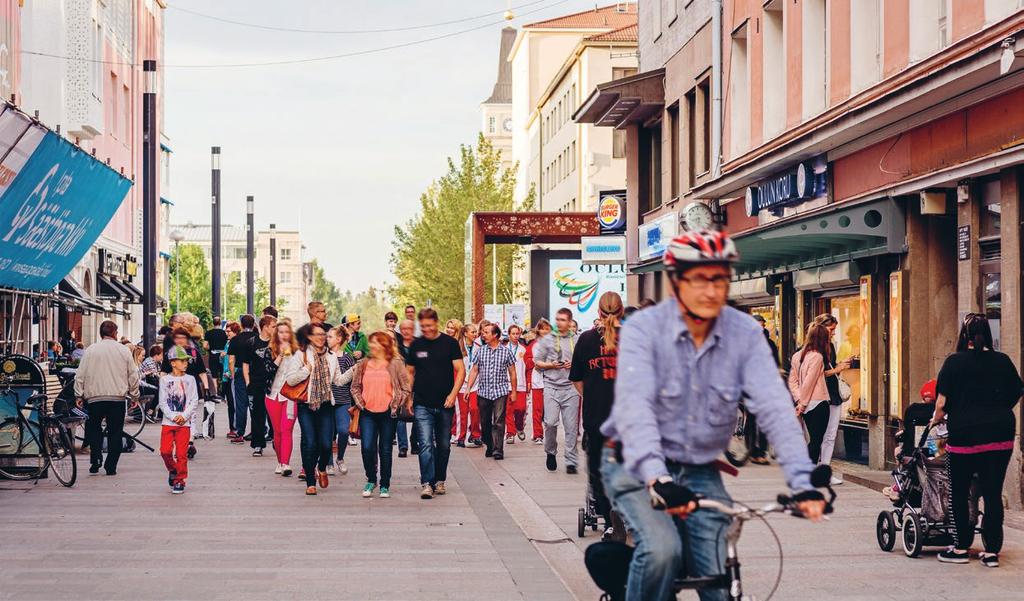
{"x": 194, "y": 280}
{"x": 429, "y": 252}
{"x": 370, "y": 304}
{"x": 327, "y": 292}
{"x": 234, "y": 295}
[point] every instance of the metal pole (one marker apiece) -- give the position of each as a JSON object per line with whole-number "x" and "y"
{"x": 177, "y": 276}
{"x": 273, "y": 264}
{"x": 494, "y": 273}
{"x": 250, "y": 244}
{"x": 215, "y": 228}
{"x": 149, "y": 202}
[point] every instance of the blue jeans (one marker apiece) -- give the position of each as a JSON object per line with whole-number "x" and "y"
{"x": 342, "y": 420}
{"x": 317, "y": 429}
{"x": 433, "y": 430}
{"x": 242, "y": 402}
{"x": 403, "y": 436}
{"x": 377, "y": 430}
{"x": 664, "y": 543}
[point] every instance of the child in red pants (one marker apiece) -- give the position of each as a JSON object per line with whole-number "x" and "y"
{"x": 179, "y": 400}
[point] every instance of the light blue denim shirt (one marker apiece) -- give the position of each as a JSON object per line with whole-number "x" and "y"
{"x": 675, "y": 402}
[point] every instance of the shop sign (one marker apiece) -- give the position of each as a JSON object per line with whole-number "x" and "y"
{"x": 123, "y": 267}
{"x": 577, "y": 287}
{"x": 963, "y": 243}
{"x": 655, "y": 235}
{"x": 603, "y": 250}
{"x": 896, "y": 344}
{"x": 611, "y": 214}
{"x": 866, "y": 339}
{"x": 55, "y": 201}
{"x": 786, "y": 189}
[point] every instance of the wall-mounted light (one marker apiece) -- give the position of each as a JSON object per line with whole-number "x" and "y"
{"x": 963, "y": 191}
{"x": 1012, "y": 57}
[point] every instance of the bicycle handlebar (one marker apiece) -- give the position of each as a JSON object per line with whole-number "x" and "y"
{"x": 783, "y": 504}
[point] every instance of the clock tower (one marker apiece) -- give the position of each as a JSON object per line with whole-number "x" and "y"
{"x": 496, "y": 111}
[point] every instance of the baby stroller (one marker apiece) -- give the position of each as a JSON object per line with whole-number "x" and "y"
{"x": 920, "y": 498}
{"x": 588, "y": 517}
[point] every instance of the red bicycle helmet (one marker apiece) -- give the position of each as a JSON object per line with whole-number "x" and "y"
{"x": 702, "y": 247}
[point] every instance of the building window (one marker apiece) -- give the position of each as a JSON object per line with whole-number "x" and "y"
{"x": 650, "y": 168}
{"x": 943, "y": 22}
{"x": 692, "y": 118}
{"x": 739, "y": 94}
{"x": 113, "y": 116}
{"x": 285, "y": 277}
{"x": 492, "y": 125}
{"x": 865, "y": 44}
{"x": 815, "y": 57}
{"x": 286, "y": 254}
{"x": 774, "y": 69}
{"x": 618, "y": 143}
{"x": 702, "y": 135}
{"x": 573, "y": 155}
{"x": 674, "y": 148}
{"x": 238, "y": 252}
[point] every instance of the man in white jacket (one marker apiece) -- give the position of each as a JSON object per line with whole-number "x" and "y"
{"x": 106, "y": 377}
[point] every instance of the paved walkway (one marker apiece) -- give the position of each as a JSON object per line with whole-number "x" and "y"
{"x": 505, "y": 531}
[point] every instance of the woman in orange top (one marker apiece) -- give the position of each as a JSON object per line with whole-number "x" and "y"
{"x": 380, "y": 386}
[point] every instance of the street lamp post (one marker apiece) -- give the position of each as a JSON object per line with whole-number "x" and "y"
{"x": 177, "y": 236}
{"x": 149, "y": 202}
{"x": 250, "y": 251}
{"x": 215, "y": 229}
{"x": 273, "y": 264}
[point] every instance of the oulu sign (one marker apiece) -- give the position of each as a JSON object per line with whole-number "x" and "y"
{"x": 792, "y": 187}
{"x": 55, "y": 200}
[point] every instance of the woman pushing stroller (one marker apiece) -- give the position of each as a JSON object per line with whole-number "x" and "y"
{"x": 977, "y": 389}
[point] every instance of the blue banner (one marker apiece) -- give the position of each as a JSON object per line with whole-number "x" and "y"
{"x": 55, "y": 201}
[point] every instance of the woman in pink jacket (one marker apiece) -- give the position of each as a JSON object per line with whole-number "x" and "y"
{"x": 807, "y": 385}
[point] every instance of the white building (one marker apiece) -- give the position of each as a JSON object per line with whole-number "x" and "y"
{"x": 496, "y": 111}
{"x": 555, "y": 64}
{"x": 293, "y": 285}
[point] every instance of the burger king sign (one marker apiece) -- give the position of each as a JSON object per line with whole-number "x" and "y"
{"x": 611, "y": 214}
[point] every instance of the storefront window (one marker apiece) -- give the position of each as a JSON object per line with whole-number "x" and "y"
{"x": 846, "y": 310}
{"x": 991, "y": 209}
{"x": 993, "y": 309}
{"x": 771, "y": 321}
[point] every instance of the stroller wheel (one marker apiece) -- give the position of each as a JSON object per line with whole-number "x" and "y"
{"x": 581, "y": 522}
{"x": 913, "y": 535}
{"x": 885, "y": 531}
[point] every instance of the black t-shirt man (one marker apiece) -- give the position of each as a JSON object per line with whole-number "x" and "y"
{"x": 594, "y": 365}
{"x": 216, "y": 338}
{"x": 255, "y": 350}
{"x": 239, "y": 348}
{"x": 435, "y": 373}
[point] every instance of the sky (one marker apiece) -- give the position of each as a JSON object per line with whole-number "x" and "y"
{"x": 341, "y": 149}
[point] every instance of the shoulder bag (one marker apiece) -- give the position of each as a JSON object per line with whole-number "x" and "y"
{"x": 297, "y": 392}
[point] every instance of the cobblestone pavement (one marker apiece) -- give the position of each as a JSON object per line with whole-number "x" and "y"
{"x": 506, "y": 530}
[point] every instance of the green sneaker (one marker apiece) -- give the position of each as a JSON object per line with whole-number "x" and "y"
{"x": 385, "y": 493}
{"x": 368, "y": 489}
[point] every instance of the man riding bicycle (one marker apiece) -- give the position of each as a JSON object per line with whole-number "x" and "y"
{"x": 683, "y": 366}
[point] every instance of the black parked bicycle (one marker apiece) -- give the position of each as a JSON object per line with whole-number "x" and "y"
{"x": 29, "y": 447}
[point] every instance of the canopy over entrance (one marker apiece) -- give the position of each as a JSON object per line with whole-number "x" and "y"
{"x": 515, "y": 228}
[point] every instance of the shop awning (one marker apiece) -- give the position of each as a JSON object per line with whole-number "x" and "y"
{"x": 619, "y": 102}
{"x": 649, "y": 266}
{"x": 108, "y": 288}
{"x": 55, "y": 200}
{"x": 831, "y": 235}
{"x": 133, "y": 294}
{"x": 71, "y": 292}
{"x": 747, "y": 291}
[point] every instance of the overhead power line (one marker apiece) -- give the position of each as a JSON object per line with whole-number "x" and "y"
{"x": 345, "y": 31}
{"x": 297, "y": 61}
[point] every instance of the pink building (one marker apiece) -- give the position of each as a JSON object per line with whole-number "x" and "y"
{"x": 867, "y": 156}
{"x": 85, "y": 77}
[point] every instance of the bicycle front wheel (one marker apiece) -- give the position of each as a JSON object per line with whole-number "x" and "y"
{"x": 60, "y": 452}
{"x": 20, "y": 457}
{"x": 134, "y": 417}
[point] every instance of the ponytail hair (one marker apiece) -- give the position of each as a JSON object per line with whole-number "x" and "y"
{"x": 610, "y": 309}
{"x": 975, "y": 334}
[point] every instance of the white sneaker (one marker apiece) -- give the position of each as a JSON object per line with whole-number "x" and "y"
{"x": 454, "y": 440}
{"x": 330, "y": 470}
{"x": 286, "y": 470}
{"x": 835, "y": 481}
{"x": 278, "y": 469}
{"x": 352, "y": 441}
{"x": 342, "y": 468}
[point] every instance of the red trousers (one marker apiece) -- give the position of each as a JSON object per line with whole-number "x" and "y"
{"x": 174, "y": 449}
{"x": 515, "y": 413}
{"x": 467, "y": 414}
{"x": 537, "y": 402}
